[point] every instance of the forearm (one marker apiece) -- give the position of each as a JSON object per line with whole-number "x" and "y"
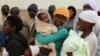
{"x": 51, "y": 38}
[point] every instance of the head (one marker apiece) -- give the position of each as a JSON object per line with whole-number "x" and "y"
{"x": 98, "y": 13}
{"x": 87, "y": 7}
{"x": 12, "y": 24}
{"x": 61, "y": 15}
{"x": 27, "y": 52}
{"x": 87, "y": 19}
{"x": 15, "y": 11}
{"x": 32, "y": 10}
{"x": 72, "y": 11}
{"x": 43, "y": 17}
{"x": 90, "y": 5}
{"x": 84, "y": 26}
{"x": 5, "y": 10}
{"x": 51, "y": 10}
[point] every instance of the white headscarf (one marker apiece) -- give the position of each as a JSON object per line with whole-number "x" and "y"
{"x": 92, "y": 3}
{"x": 90, "y": 16}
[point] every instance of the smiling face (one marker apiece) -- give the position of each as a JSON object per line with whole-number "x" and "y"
{"x": 83, "y": 25}
{"x": 59, "y": 20}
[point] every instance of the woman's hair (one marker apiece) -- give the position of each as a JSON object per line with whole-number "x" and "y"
{"x": 15, "y": 21}
{"x": 73, "y": 8}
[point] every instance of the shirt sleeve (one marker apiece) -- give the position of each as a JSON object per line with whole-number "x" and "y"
{"x": 62, "y": 33}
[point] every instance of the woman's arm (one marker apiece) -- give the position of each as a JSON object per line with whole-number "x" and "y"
{"x": 62, "y": 33}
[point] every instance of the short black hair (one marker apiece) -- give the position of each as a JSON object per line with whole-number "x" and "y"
{"x": 15, "y": 21}
{"x": 14, "y": 11}
{"x": 73, "y": 8}
{"x": 7, "y": 7}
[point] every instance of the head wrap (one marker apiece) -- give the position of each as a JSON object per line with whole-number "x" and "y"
{"x": 33, "y": 7}
{"x": 40, "y": 14}
{"x": 51, "y": 8}
{"x": 91, "y": 17}
{"x": 92, "y": 3}
{"x": 62, "y": 11}
{"x": 34, "y": 50}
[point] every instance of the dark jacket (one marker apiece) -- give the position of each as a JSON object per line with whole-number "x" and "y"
{"x": 16, "y": 45}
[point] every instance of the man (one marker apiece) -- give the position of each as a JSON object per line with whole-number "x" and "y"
{"x": 5, "y": 11}
{"x": 51, "y": 10}
{"x": 32, "y": 11}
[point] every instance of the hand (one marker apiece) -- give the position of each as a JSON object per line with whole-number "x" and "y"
{"x": 45, "y": 50}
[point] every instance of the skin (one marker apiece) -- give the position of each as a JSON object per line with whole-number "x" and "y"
{"x": 71, "y": 13}
{"x": 87, "y": 7}
{"x": 32, "y": 14}
{"x": 45, "y": 18}
{"x": 59, "y": 20}
{"x": 7, "y": 29}
{"x": 5, "y": 11}
{"x": 27, "y": 52}
{"x": 86, "y": 27}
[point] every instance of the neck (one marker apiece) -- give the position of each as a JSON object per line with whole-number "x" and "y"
{"x": 86, "y": 33}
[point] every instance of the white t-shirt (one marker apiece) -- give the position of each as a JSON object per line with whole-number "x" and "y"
{"x": 93, "y": 43}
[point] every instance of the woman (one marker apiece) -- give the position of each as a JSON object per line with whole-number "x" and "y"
{"x": 91, "y": 5}
{"x": 70, "y": 24}
{"x": 61, "y": 15}
{"x": 92, "y": 19}
{"x": 77, "y": 46}
{"x": 17, "y": 43}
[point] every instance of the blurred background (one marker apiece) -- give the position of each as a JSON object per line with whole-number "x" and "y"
{"x": 42, "y": 4}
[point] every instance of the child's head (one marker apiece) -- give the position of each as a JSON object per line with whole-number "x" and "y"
{"x": 43, "y": 17}
{"x": 27, "y": 52}
{"x": 87, "y": 19}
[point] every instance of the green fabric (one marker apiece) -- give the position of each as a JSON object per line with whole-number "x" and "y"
{"x": 58, "y": 38}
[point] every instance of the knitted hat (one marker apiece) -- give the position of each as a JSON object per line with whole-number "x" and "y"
{"x": 33, "y": 7}
{"x": 62, "y": 11}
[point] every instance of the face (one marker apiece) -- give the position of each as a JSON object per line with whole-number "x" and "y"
{"x": 71, "y": 12}
{"x": 51, "y": 13}
{"x": 5, "y": 11}
{"x": 82, "y": 25}
{"x": 45, "y": 18}
{"x": 59, "y": 20}
{"x": 87, "y": 7}
{"x": 6, "y": 28}
{"x": 32, "y": 14}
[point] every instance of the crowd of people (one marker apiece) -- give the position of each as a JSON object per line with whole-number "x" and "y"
{"x": 58, "y": 32}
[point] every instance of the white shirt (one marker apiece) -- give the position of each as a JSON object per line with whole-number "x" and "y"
{"x": 93, "y": 43}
